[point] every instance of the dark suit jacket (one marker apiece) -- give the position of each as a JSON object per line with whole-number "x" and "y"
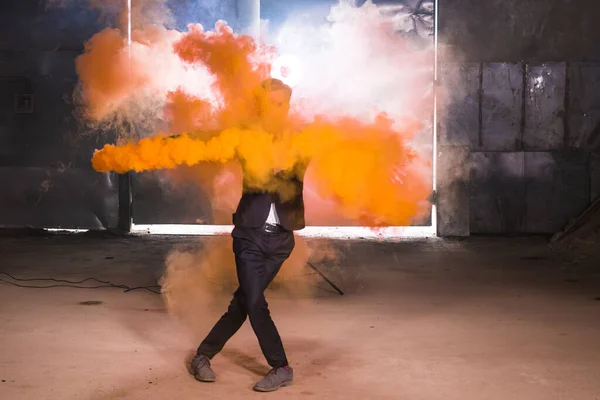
{"x": 253, "y": 208}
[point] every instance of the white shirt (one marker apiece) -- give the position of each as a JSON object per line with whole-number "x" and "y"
{"x": 273, "y": 218}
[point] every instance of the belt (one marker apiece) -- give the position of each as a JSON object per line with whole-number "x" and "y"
{"x": 272, "y": 228}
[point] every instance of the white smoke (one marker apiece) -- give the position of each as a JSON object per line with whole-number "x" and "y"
{"x": 357, "y": 63}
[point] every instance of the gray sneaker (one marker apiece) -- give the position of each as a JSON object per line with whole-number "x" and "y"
{"x": 201, "y": 369}
{"x": 276, "y": 378}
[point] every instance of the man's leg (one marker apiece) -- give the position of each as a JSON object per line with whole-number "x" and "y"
{"x": 257, "y": 265}
{"x": 225, "y": 328}
{"x": 264, "y": 327}
{"x": 264, "y": 269}
{"x": 278, "y": 248}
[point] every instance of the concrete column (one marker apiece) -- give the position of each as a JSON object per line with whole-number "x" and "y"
{"x": 453, "y": 191}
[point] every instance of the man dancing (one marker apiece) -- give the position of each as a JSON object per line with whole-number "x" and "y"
{"x": 262, "y": 240}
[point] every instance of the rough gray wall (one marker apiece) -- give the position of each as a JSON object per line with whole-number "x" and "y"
{"x": 533, "y": 134}
{"x": 520, "y": 117}
{"x": 521, "y": 30}
{"x": 45, "y": 174}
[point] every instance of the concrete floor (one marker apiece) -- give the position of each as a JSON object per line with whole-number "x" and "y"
{"x": 475, "y": 319}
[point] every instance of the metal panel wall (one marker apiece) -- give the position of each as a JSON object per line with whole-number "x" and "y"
{"x": 521, "y": 30}
{"x": 459, "y": 105}
{"x": 545, "y": 107}
{"x": 497, "y": 199}
{"x": 501, "y": 106}
{"x": 584, "y": 106}
{"x": 458, "y": 133}
{"x": 594, "y": 177}
{"x": 45, "y": 154}
{"x": 559, "y": 113}
{"x": 453, "y": 191}
{"x": 557, "y": 189}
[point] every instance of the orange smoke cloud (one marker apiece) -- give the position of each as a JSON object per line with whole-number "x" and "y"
{"x": 352, "y": 161}
{"x": 229, "y": 58}
{"x": 187, "y": 112}
{"x": 106, "y": 85}
{"x": 132, "y": 82}
{"x": 160, "y": 152}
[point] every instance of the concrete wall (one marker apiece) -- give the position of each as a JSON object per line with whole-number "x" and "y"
{"x": 521, "y": 30}
{"x": 519, "y": 129}
{"x": 45, "y": 174}
{"x": 527, "y": 136}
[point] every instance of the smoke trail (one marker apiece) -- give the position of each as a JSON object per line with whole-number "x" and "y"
{"x": 354, "y": 163}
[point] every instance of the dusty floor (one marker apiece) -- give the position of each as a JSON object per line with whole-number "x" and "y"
{"x": 475, "y": 319}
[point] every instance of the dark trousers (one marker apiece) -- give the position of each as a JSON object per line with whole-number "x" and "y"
{"x": 258, "y": 257}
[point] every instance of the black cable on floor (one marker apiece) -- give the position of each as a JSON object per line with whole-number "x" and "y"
{"x": 74, "y": 284}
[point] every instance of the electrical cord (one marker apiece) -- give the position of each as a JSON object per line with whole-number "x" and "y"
{"x": 74, "y": 284}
